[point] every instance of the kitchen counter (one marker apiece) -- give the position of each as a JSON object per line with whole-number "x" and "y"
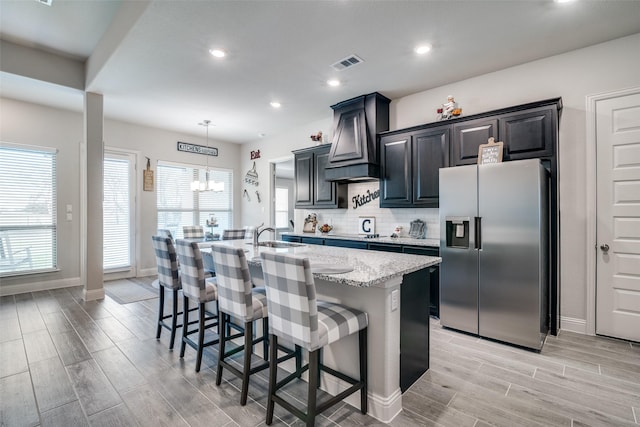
{"x": 393, "y": 288}
{"x": 408, "y": 241}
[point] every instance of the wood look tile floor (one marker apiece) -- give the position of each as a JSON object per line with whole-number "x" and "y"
{"x": 66, "y": 362}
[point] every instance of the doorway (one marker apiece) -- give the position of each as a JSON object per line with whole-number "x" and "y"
{"x": 615, "y": 128}
{"x": 282, "y": 188}
{"x": 119, "y": 213}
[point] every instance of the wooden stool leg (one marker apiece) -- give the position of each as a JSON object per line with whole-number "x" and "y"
{"x": 185, "y": 323}
{"x": 174, "y": 319}
{"x": 248, "y": 350}
{"x": 200, "y": 335}
{"x": 273, "y": 376}
{"x": 160, "y": 310}
{"x": 265, "y": 338}
{"x": 222, "y": 319}
{"x": 362, "y": 338}
{"x": 313, "y": 388}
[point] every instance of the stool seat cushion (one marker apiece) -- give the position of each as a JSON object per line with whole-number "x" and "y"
{"x": 336, "y": 321}
{"x": 259, "y": 303}
{"x": 210, "y": 291}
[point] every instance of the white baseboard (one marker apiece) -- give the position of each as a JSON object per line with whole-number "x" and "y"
{"x": 92, "y": 294}
{"x": 573, "y": 324}
{"x": 22, "y": 288}
{"x": 144, "y": 272}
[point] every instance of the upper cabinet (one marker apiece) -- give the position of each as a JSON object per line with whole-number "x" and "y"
{"x": 410, "y": 159}
{"x": 354, "y": 151}
{"x": 312, "y": 190}
{"x": 410, "y": 163}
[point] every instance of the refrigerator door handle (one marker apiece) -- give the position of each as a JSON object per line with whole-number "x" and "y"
{"x": 478, "y": 232}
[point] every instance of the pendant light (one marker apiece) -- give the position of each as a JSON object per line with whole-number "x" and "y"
{"x": 208, "y": 184}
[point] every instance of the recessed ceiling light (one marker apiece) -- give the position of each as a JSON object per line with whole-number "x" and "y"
{"x": 333, "y": 82}
{"x": 275, "y": 104}
{"x": 564, "y": 1}
{"x": 262, "y": 135}
{"x": 218, "y": 53}
{"x": 422, "y": 49}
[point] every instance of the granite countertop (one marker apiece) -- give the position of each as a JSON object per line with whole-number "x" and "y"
{"x": 363, "y": 268}
{"x": 410, "y": 241}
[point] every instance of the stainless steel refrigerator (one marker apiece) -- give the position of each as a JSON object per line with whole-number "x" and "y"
{"x": 494, "y": 275}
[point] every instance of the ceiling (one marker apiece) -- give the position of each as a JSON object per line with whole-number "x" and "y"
{"x": 158, "y": 71}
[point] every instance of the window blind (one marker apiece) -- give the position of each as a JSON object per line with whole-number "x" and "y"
{"x": 116, "y": 213}
{"x": 27, "y": 210}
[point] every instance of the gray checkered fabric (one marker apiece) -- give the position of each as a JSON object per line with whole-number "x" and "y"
{"x": 294, "y": 312}
{"x": 165, "y": 233}
{"x": 167, "y": 261}
{"x": 193, "y": 232}
{"x": 194, "y": 284}
{"x": 236, "y": 295}
{"x": 236, "y": 234}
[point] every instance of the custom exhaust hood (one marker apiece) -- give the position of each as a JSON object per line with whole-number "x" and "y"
{"x": 354, "y": 152}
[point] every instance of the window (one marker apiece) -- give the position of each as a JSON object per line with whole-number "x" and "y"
{"x": 118, "y": 210}
{"x": 178, "y": 206}
{"x": 282, "y": 207}
{"x": 27, "y": 209}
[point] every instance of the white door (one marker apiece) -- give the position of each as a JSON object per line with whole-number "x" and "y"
{"x": 119, "y": 214}
{"x": 618, "y": 217}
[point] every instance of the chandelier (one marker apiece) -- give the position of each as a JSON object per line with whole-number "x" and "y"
{"x": 208, "y": 184}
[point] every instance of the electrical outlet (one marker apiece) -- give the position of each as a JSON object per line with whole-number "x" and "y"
{"x": 394, "y": 299}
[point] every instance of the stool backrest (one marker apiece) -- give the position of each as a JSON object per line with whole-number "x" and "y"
{"x": 234, "y": 281}
{"x": 193, "y": 232}
{"x": 233, "y": 234}
{"x": 167, "y": 261}
{"x": 165, "y": 233}
{"x": 191, "y": 269}
{"x": 291, "y": 298}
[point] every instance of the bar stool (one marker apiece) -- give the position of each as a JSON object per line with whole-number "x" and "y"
{"x": 193, "y": 232}
{"x": 238, "y": 298}
{"x": 168, "y": 278}
{"x": 296, "y": 315}
{"x": 233, "y": 234}
{"x": 195, "y": 287}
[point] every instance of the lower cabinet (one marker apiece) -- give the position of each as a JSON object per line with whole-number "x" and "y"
{"x": 434, "y": 277}
{"x": 356, "y": 244}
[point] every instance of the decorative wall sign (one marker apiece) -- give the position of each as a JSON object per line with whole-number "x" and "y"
{"x": 148, "y": 177}
{"x": 363, "y": 199}
{"x": 197, "y": 149}
{"x": 366, "y": 225}
{"x": 251, "y": 177}
{"x": 255, "y": 154}
{"x": 490, "y": 152}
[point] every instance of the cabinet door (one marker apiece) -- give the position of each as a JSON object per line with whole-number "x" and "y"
{"x": 312, "y": 240}
{"x": 324, "y": 191}
{"x": 396, "y": 184}
{"x": 434, "y": 277}
{"x": 304, "y": 180}
{"x": 430, "y": 153}
{"x": 385, "y": 247}
{"x": 346, "y": 243}
{"x": 529, "y": 134}
{"x": 350, "y": 138}
{"x": 468, "y": 136}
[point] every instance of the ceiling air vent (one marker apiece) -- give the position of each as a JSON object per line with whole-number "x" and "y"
{"x": 47, "y": 2}
{"x": 347, "y": 62}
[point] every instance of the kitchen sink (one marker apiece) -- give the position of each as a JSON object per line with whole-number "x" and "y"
{"x": 279, "y": 244}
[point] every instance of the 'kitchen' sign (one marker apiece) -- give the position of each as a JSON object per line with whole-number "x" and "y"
{"x": 197, "y": 149}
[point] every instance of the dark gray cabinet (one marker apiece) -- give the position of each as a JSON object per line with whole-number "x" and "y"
{"x": 528, "y": 133}
{"x": 312, "y": 190}
{"x": 434, "y": 276}
{"x": 468, "y": 136}
{"x": 410, "y": 163}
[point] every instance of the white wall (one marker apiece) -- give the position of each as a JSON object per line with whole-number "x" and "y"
{"x": 26, "y": 123}
{"x": 572, "y": 76}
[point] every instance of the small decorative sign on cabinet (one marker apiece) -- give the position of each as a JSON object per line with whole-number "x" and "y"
{"x": 490, "y": 152}
{"x": 366, "y": 225}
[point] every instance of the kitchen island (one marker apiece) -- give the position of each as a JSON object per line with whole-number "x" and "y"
{"x": 393, "y": 288}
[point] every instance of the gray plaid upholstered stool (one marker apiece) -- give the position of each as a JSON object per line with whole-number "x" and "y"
{"x": 165, "y": 233}
{"x": 200, "y": 290}
{"x": 168, "y": 278}
{"x": 233, "y": 234}
{"x": 296, "y": 315}
{"x": 238, "y": 298}
{"x": 193, "y": 232}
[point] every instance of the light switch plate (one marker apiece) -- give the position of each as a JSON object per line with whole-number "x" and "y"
{"x": 69, "y": 208}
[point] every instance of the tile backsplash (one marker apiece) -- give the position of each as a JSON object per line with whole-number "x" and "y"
{"x": 345, "y": 221}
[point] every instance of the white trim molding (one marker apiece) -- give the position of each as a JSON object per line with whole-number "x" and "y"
{"x": 92, "y": 294}
{"x": 22, "y": 288}
{"x": 573, "y": 324}
{"x": 591, "y": 205}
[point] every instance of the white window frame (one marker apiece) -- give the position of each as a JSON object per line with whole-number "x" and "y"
{"x": 53, "y": 208}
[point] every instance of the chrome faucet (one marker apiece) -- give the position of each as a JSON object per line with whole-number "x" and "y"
{"x": 258, "y": 232}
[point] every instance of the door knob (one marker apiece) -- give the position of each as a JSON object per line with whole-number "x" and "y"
{"x": 605, "y": 248}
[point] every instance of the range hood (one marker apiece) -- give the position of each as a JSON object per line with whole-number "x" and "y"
{"x": 354, "y": 151}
